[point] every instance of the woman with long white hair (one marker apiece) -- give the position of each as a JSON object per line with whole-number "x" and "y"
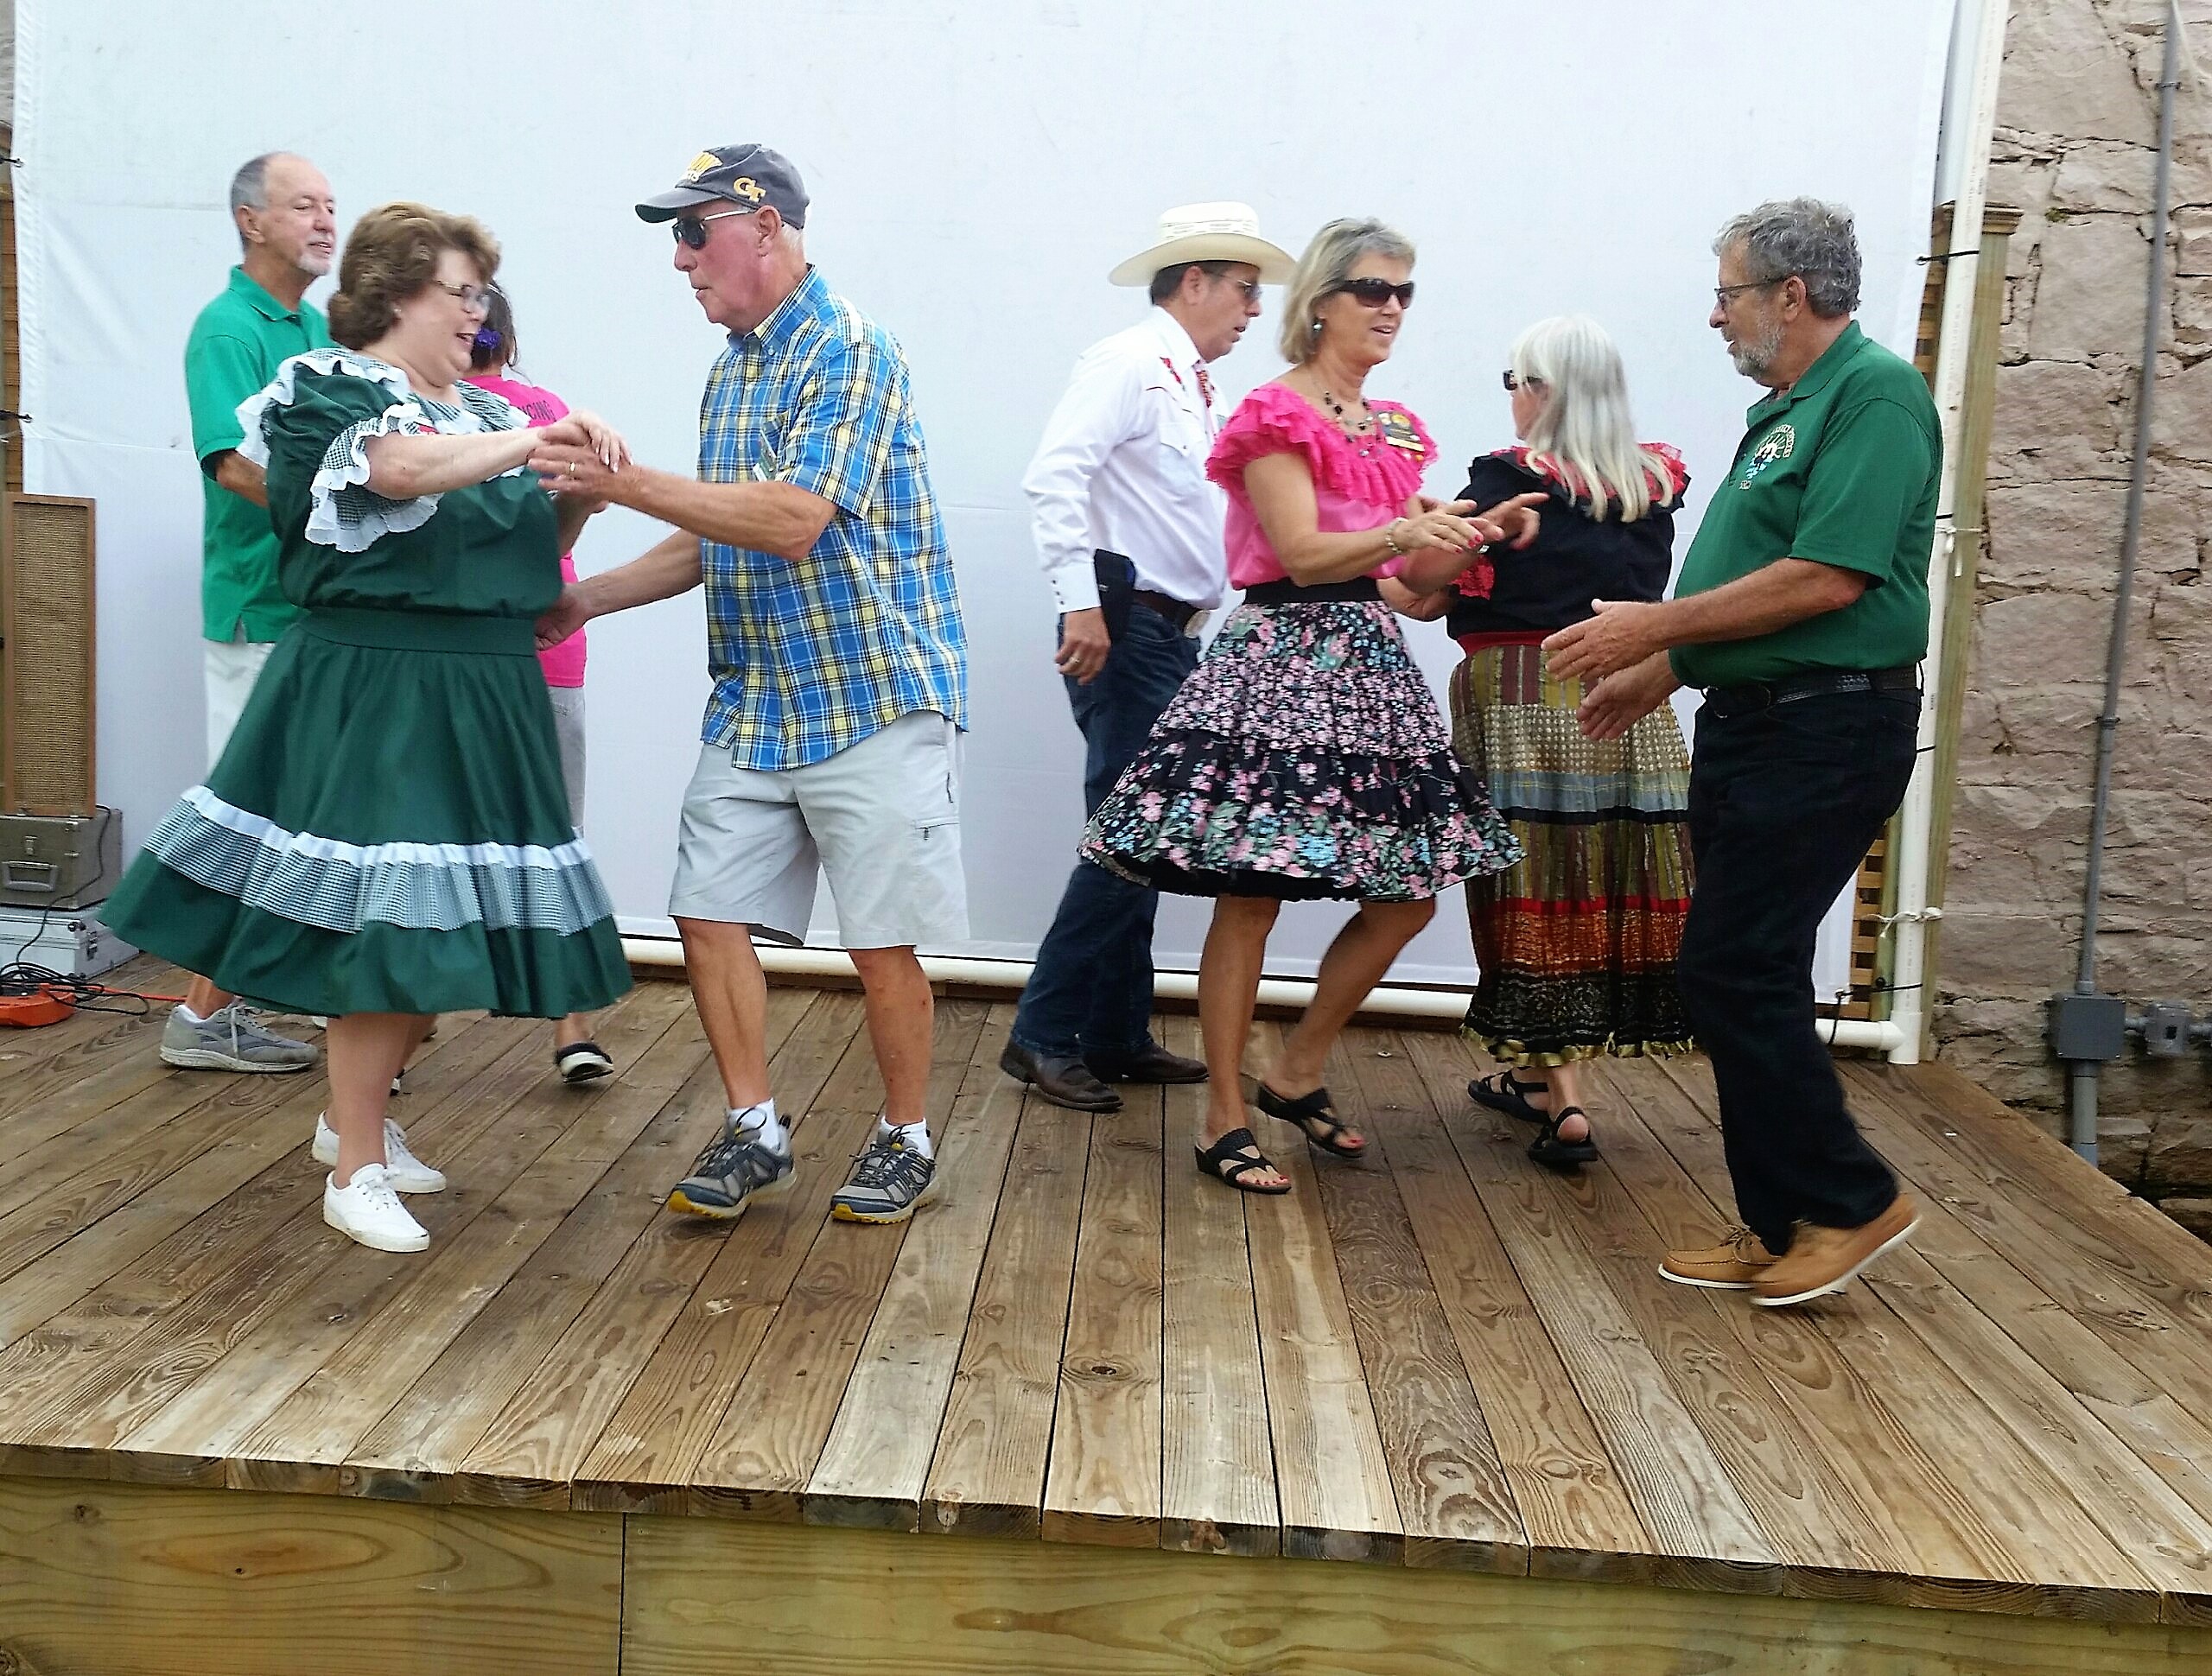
{"x": 1575, "y": 944}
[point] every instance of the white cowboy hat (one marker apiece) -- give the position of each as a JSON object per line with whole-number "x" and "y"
{"x": 1208, "y": 232}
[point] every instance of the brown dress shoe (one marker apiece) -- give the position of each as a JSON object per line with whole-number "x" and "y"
{"x": 1825, "y": 1260}
{"x": 1150, "y": 1063}
{"x": 1732, "y": 1266}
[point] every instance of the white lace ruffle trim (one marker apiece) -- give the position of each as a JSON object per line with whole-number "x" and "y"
{"x": 343, "y": 512}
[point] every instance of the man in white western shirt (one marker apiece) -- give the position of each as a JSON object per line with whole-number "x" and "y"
{"x": 1128, "y": 532}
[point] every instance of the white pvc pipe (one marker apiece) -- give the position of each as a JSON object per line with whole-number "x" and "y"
{"x": 1388, "y": 1001}
{"x": 1915, "y": 826}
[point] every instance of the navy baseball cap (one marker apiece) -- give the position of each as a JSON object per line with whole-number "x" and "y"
{"x": 746, "y": 175}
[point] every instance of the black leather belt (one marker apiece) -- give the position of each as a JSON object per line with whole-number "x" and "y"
{"x": 1725, "y": 702}
{"x": 1172, "y": 609}
{"x": 1285, "y": 592}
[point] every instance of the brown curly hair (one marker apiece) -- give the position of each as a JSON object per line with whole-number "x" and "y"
{"x": 391, "y": 255}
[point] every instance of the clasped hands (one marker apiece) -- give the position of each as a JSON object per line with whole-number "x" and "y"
{"x": 579, "y": 457}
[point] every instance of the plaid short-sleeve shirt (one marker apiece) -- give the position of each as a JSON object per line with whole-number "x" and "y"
{"x": 812, "y": 656}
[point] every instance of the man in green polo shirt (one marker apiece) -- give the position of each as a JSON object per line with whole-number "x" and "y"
{"x": 288, "y": 224}
{"x": 1801, "y": 611}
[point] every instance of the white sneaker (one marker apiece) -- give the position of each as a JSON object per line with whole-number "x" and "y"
{"x": 409, "y": 1173}
{"x": 367, "y": 1211}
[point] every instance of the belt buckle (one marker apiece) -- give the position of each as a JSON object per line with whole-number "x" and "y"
{"x": 1197, "y": 624}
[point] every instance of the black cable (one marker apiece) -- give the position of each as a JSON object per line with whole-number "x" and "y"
{"x": 22, "y": 978}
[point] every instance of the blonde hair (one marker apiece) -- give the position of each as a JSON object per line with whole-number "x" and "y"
{"x": 1583, "y": 431}
{"x": 1328, "y": 260}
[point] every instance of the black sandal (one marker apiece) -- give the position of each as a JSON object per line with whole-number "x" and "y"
{"x": 1233, "y": 1156}
{"x": 583, "y": 1062}
{"x": 1551, "y": 1150}
{"x": 1315, "y": 1117}
{"x": 1507, "y": 1093}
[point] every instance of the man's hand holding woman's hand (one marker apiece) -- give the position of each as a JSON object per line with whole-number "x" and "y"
{"x": 580, "y": 456}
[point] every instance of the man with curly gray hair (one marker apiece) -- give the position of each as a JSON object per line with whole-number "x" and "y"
{"x": 1802, "y": 615}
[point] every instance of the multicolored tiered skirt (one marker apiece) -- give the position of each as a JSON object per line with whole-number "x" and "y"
{"x": 1304, "y": 758}
{"x": 1575, "y": 944}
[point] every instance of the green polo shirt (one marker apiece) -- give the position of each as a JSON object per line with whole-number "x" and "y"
{"x": 1841, "y": 467}
{"x": 235, "y": 348}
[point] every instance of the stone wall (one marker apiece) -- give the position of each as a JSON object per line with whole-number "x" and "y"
{"x": 2077, "y": 128}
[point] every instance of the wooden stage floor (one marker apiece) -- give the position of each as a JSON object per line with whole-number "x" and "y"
{"x": 1444, "y": 1365}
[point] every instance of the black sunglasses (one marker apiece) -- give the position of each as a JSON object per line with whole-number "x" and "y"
{"x": 691, "y": 230}
{"x": 1514, "y": 381}
{"x": 1376, "y": 292}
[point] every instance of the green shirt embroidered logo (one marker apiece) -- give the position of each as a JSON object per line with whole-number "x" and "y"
{"x": 1777, "y": 444}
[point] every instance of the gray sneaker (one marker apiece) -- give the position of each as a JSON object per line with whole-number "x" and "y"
{"x": 887, "y": 1181}
{"x": 732, "y": 1170}
{"x": 230, "y": 1040}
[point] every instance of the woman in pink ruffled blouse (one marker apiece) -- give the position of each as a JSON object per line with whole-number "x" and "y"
{"x": 1306, "y": 758}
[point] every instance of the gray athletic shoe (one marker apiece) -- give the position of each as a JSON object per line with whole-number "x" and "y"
{"x": 887, "y": 1181}
{"x": 732, "y": 1170}
{"x": 230, "y": 1040}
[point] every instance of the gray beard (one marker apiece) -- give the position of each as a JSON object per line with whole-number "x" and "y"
{"x": 1753, "y": 357}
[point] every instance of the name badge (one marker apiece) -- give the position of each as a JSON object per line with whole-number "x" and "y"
{"x": 1398, "y": 431}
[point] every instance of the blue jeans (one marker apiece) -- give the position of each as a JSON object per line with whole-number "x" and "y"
{"x": 1092, "y": 993}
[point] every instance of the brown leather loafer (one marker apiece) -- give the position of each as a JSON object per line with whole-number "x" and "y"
{"x": 1825, "y": 1259}
{"x": 1152, "y": 1063}
{"x": 1061, "y": 1078}
{"x": 1732, "y": 1266}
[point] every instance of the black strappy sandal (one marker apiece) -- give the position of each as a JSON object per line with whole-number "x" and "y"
{"x": 1507, "y": 1093}
{"x": 1551, "y": 1150}
{"x": 1315, "y": 1117}
{"x": 1233, "y": 1158}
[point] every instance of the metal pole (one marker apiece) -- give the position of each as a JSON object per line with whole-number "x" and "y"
{"x": 2083, "y": 1128}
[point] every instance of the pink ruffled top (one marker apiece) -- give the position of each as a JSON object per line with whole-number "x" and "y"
{"x": 1359, "y": 484}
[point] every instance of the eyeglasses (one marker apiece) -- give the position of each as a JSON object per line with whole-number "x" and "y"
{"x": 1514, "y": 381}
{"x": 691, "y": 230}
{"x": 472, "y": 300}
{"x": 1723, "y": 294}
{"x": 1374, "y": 293}
{"x": 1248, "y": 288}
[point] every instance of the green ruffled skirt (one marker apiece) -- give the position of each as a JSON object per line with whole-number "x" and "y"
{"x": 387, "y": 832}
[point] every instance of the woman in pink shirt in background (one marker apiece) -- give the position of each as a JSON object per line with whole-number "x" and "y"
{"x": 490, "y": 366}
{"x": 1306, "y": 758}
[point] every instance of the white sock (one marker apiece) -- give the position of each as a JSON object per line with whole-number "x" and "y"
{"x": 184, "y": 1011}
{"x": 914, "y": 1137}
{"x": 760, "y": 1120}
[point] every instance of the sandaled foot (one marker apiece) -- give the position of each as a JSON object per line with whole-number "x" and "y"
{"x": 1315, "y": 1114}
{"x": 1236, "y": 1159}
{"x": 1507, "y": 1093}
{"x": 1555, "y": 1150}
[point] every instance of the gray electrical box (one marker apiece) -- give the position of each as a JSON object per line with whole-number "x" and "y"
{"x": 2088, "y": 1027}
{"x": 2166, "y": 1030}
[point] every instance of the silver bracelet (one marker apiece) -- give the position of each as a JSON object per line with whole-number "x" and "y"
{"x": 1390, "y": 536}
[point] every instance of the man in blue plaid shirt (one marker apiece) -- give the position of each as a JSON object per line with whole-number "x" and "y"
{"x": 839, "y": 665}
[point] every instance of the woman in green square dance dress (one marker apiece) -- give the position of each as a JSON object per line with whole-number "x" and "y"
{"x": 387, "y": 836}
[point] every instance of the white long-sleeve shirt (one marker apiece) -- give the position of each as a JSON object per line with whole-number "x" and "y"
{"x": 1122, "y": 466}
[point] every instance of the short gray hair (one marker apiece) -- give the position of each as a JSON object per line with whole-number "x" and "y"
{"x": 1327, "y": 260}
{"x": 249, "y": 185}
{"x": 1803, "y": 237}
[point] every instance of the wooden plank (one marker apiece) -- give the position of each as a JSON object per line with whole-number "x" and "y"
{"x": 414, "y": 1451}
{"x": 1886, "y": 1451}
{"x": 202, "y": 1424}
{"x": 1217, "y": 1474}
{"x": 1103, "y": 1482}
{"x": 877, "y": 1457}
{"x": 1702, "y": 1533}
{"x": 1452, "y": 1496}
{"x": 644, "y": 1459}
{"x": 832, "y": 1602}
{"x": 197, "y": 1583}
{"x": 988, "y": 1478}
{"x": 301, "y": 1442}
{"x": 763, "y": 1451}
{"x": 1332, "y": 1477}
{"x": 1580, "y": 1520}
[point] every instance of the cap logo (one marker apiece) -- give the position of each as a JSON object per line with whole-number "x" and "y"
{"x": 745, "y": 187}
{"x": 701, "y": 164}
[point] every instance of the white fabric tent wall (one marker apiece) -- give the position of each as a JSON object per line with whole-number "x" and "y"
{"x": 975, "y": 170}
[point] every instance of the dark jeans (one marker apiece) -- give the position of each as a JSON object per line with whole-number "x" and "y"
{"x": 1092, "y": 993}
{"x": 1785, "y": 802}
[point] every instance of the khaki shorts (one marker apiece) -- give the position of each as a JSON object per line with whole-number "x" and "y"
{"x": 232, "y": 667}
{"x": 881, "y": 818}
